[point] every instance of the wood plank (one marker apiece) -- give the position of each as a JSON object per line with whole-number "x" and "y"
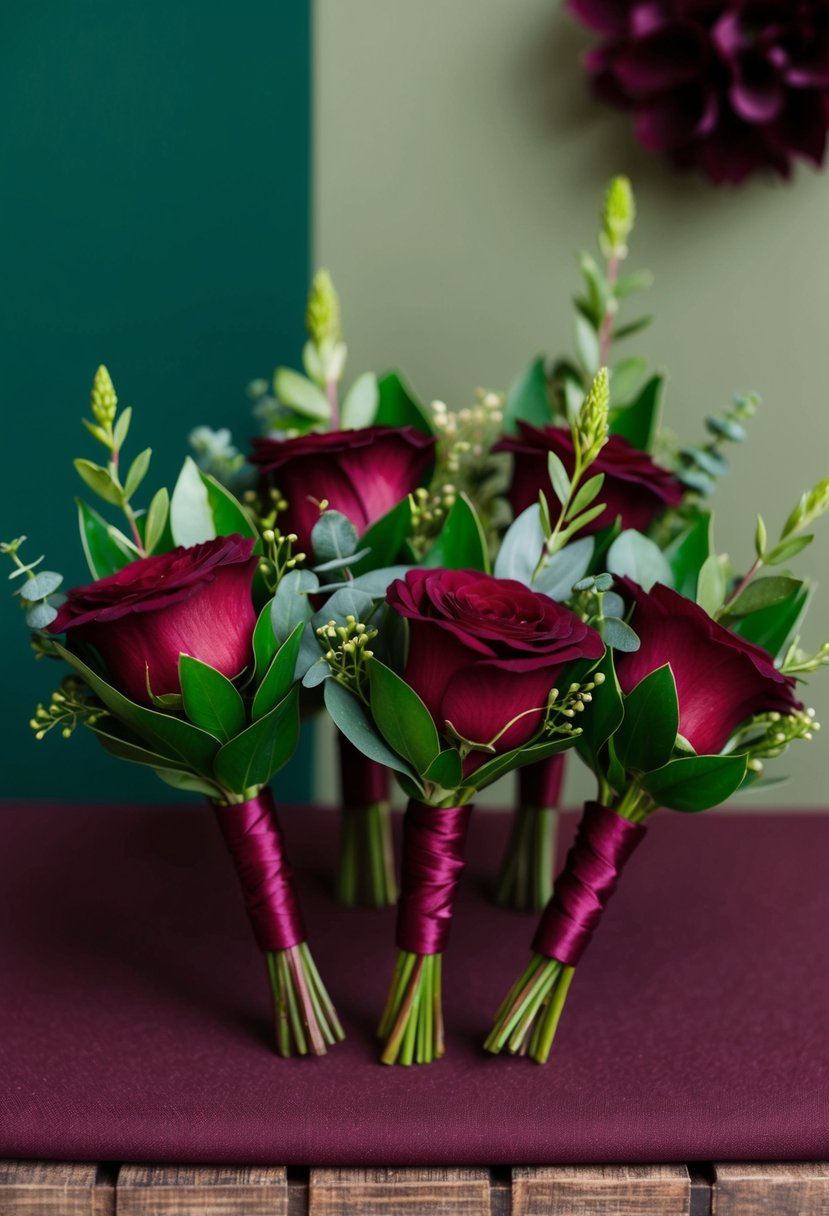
{"x": 59, "y": 1188}
{"x": 202, "y": 1190}
{"x": 601, "y": 1190}
{"x": 798, "y": 1188}
{"x": 399, "y": 1192}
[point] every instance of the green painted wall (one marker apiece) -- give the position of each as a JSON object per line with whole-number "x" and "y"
{"x": 460, "y": 164}
{"x": 155, "y": 208}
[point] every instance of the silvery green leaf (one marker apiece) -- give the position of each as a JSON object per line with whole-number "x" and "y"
{"x": 637, "y": 557}
{"x": 354, "y": 722}
{"x": 290, "y": 604}
{"x": 301, "y": 394}
{"x": 348, "y": 601}
{"x": 40, "y": 615}
{"x": 191, "y": 519}
{"x": 340, "y": 563}
{"x": 333, "y": 537}
{"x": 374, "y": 582}
{"x": 587, "y": 493}
{"x": 316, "y": 674}
{"x": 521, "y": 547}
{"x": 618, "y": 635}
{"x": 310, "y": 654}
{"x": 726, "y": 428}
{"x": 41, "y": 585}
{"x": 613, "y": 604}
{"x": 569, "y": 565}
{"x": 360, "y": 405}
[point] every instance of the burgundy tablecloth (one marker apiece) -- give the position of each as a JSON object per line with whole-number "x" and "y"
{"x": 134, "y": 1013}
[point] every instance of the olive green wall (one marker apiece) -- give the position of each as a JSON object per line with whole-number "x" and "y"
{"x": 155, "y": 208}
{"x": 459, "y": 164}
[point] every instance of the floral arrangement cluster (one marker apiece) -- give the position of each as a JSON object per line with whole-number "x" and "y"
{"x": 728, "y": 87}
{"x": 465, "y": 594}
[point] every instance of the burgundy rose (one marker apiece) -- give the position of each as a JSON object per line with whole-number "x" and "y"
{"x": 362, "y": 473}
{"x": 721, "y": 679}
{"x": 483, "y": 650}
{"x": 634, "y": 487}
{"x": 726, "y": 86}
{"x": 194, "y": 601}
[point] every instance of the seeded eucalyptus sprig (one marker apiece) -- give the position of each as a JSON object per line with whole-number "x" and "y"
{"x": 39, "y": 593}
{"x": 699, "y": 467}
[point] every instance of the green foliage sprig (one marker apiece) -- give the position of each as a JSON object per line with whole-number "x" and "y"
{"x": 39, "y": 594}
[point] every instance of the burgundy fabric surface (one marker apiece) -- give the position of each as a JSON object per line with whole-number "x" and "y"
{"x": 134, "y": 1007}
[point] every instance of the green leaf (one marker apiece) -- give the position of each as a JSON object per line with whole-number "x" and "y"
{"x": 360, "y": 405}
{"x": 40, "y": 615}
{"x": 252, "y": 758}
{"x": 291, "y": 605}
{"x": 445, "y": 770}
{"x": 603, "y": 715}
{"x": 764, "y": 593}
{"x": 333, "y": 537}
{"x": 587, "y": 493}
{"x": 191, "y": 517}
{"x": 696, "y": 783}
{"x": 43, "y": 584}
{"x": 760, "y": 537}
{"x": 559, "y": 477}
{"x": 104, "y": 554}
{"x": 385, "y": 539}
{"x": 301, "y": 394}
{"x": 137, "y": 472}
{"x": 632, "y": 327}
{"x": 625, "y": 377}
{"x": 772, "y": 627}
{"x": 461, "y": 544}
{"x": 638, "y": 421}
{"x": 122, "y": 747}
{"x": 350, "y": 717}
{"x": 99, "y": 481}
{"x": 687, "y": 553}
{"x": 186, "y": 781}
{"x": 210, "y": 700}
{"x": 647, "y": 734}
{"x": 636, "y": 556}
{"x": 581, "y": 521}
{"x": 587, "y": 345}
{"x": 265, "y": 644}
{"x": 519, "y": 757}
{"x": 121, "y": 428}
{"x": 399, "y": 406}
{"x": 564, "y": 569}
{"x": 628, "y": 284}
{"x": 172, "y": 736}
{"x": 528, "y": 399}
{"x": 618, "y": 635}
{"x": 279, "y": 676}
{"x": 711, "y": 585}
{"x": 402, "y": 718}
{"x": 229, "y": 516}
{"x": 787, "y": 549}
{"x": 520, "y": 550}
{"x": 157, "y": 515}
{"x": 347, "y": 601}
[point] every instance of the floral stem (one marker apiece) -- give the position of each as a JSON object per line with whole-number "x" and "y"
{"x": 305, "y": 1019}
{"x": 412, "y": 1023}
{"x": 366, "y": 876}
{"x": 525, "y": 882}
{"x": 606, "y": 326}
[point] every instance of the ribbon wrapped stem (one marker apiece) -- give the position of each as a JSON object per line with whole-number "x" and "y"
{"x": 306, "y": 1021}
{"x": 525, "y": 880}
{"x": 433, "y": 847}
{"x": 528, "y": 1019}
{"x": 365, "y": 875}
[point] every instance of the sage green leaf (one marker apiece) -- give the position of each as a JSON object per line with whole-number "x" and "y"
{"x": 210, "y": 700}
{"x": 520, "y": 550}
{"x": 99, "y": 481}
{"x": 301, "y": 394}
{"x": 638, "y": 421}
{"x": 156, "y": 523}
{"x": 564, "y": 569}
{"x": 350, "y": 717}
{"x": 559, "y": 479}
{"x": 105, "y": 553}
{"x": 528, "y": 399}
{"x": 191, "y": 518}
{"x": 618, "y": 635}
{"x": 764, "y": 593}
{"x": 711, "y": 585}
{"x": 40, "y": 615}
{"x": 121, "y": 428}
{"x": 347, "y": 601}
{"x": 581, "y": 521}
{"x": 587, "y": 493}
{"x": 361, "y": 402}
{"x": 43, "y": 584}
{"x": 637, "y": 557}
{"x": 290, "y": 604}
{"x": 461, "y": 544}
{"x": 646, "y": 736}
{"x": 402, "y": 718}
{"x": 279, "y": 676}
{"x": 252, "y": 758}
{"x": 173, "y": 737}
{"x": 587, "y": 344}
{"x": 137, "y": 472}
{"x": 333, "y": 537}
{"x": 695, "y": 783}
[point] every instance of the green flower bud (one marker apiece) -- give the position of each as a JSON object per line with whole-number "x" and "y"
{"x": 103, "y": 398}
{"x": 618, "y": 215}
{"x": 322, "y": 316}
{"x": 592, "y": 422}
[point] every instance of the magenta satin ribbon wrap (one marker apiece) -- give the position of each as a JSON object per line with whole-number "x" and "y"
{"x": 433, "y": 845}
{"x": 603, "y": 844}
{"x": 254, "y": 839}
{"x": 540, "y": 784}
{"x": 362, "y": 781}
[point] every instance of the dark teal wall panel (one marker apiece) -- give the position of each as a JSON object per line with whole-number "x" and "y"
{"x": 155, "y": 217}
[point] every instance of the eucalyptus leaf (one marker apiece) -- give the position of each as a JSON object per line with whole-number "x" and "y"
{"x": 301, "y": 394}
{"x": 559, "y": 576}
{"x": 341, "y": 563}
{"x": 618, "y": 635}
{"x": 348, "y": 601}
{"x": 333, "y": 537}
{"x": 351, "y": 718}
{"x": 402, "y": 718}
{"x": 316, "y": 674}
{"x": 251, "y": 758}
{"x": 696, "y": 783}
{"x": 647, "y": 733}
{"x": 210, "y": 700}
{"x": 637, "y": 557}
{"x": 291, "y": 604}
{"x": 360, "y": 405}
{"x": 43, "y": 584}
{"x": 40, "y": 615}
{"x": 521, "y": 548}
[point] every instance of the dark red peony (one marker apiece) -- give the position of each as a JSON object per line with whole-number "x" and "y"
{"x": 194, "y": 601}
{"x": 721, "y": 679}
{"x": 725, "y": 86}
{"x": 483, "y": 650}
{"x": 634, "y": 487}
{"x": 362, "y": 473}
